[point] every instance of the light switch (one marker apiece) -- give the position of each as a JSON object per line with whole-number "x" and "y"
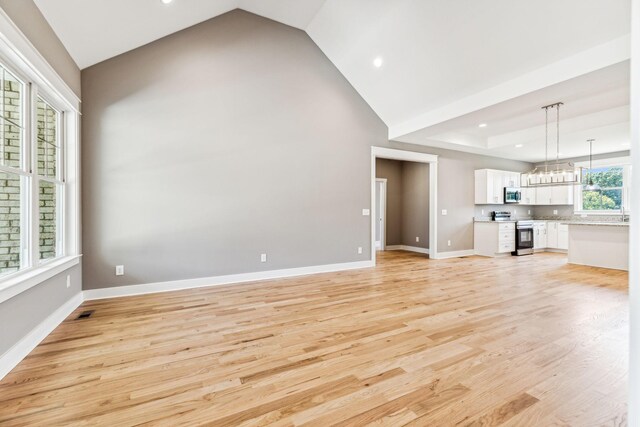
{"x": 119, "y": 270}
{"x": 366, "y": 212}
{"x": 444, "y": 211}
{"x": 263, "y": 258}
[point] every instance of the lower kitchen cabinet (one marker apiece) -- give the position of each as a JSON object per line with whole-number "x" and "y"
{"x": 494, "y": 238}
{"x": 563, "y": 236}
{"x": 539, "y": 235}
{"x": 499, "y": 238}
{"x": 550, "y": 235}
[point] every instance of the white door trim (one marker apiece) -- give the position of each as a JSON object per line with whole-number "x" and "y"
{"x": 383, "y": 205}
{"x": 634, "y": 236}
{"x": 409, "y": 156}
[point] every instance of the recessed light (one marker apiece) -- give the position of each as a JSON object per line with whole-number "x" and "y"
{"x": 377, "y": 62}
{"x": 482, "y": 125}
{"x": 166, "y": 1}
{"x": 519, "y": 145}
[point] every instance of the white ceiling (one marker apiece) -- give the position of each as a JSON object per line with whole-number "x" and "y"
{"x": 596, "y": 105}
{"x": 446, "y": 64}
{"x": 95, "y": 30}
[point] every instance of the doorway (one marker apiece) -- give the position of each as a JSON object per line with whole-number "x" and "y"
{"x": 409, "y": 156}
{"x": 381, "y": 213}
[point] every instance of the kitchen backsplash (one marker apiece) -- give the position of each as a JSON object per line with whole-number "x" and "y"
{"x": 541, "y": 212}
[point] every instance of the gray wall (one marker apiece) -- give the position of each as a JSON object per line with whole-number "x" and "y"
{"x": 229, "y": 139}
{"x": 415, "y": 204}
{"x": 233, "y": 138}
{"x": 20, "y": 314}
{"x": 26, "y": 15}
{"x": 456, "y": 191}
{"x": 407, "y": 202}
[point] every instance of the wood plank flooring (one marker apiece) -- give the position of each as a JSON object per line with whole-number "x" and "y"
{"x": 518, "y": 341}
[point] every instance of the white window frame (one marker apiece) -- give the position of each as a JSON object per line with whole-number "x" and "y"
{"x": 621, "y": 162}
{"x": 19, "y": 57}
{"x": 59, "y": 183}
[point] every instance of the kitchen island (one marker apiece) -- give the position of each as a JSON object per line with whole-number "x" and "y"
{"x": 599, "y": 244}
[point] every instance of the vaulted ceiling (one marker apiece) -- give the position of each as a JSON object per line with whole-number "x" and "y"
{"x": 445, "y": 64}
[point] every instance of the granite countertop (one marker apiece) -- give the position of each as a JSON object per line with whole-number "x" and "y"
{"x": 560, "y": 220}
{"x": 597, "y": 223}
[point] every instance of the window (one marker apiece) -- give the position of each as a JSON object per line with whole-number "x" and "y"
{"x": 14, "y": 174}
{"x": 31, "y": 176}
{"x": 49, "y": 179}
{"x": 613, "y": 195}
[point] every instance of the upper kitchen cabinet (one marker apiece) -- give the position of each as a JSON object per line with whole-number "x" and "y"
{"x": 562, "y": 195}
{"x": 553, "y": 195}
{"x": 490, "y": 184}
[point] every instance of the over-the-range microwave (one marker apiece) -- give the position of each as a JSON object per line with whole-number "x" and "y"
{"x": 512, "y": 195}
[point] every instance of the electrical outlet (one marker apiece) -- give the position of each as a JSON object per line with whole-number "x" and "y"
{"x": 448, "y": 242}
{"x": 359, "y": 249}
{"x": 119, "y": 270}
{"x": 482, "y": 212}
{"x": 417, "y": 239}
{"x": 68, "y": 281}
{"x": 555, "y": 211}
{"x": 366, "y": 212}
{"x": 444, "y": 211}
{"x": 529, "y": 212}
{"x": 263, "y": 258}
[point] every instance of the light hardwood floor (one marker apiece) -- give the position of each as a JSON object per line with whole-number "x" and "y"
{"x": 528, "y": 341}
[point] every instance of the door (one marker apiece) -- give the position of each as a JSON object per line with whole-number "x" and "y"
{"x": 381, "y": 213}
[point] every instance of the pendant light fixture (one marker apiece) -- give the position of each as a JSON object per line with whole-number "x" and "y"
{"x": 590, "y": 186}
{"x": 558, "y": 173}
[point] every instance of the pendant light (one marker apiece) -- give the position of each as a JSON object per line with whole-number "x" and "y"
{"x": 558, "y": 173}
{"x": 590, "y": 186}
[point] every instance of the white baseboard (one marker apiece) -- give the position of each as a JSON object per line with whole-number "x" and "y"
{"x": 176, "y": 285}
{"x": 20, "y": 350}
{"x": 557, "y": 251}
{"x": 407, "y": 248}
{"x": 455, "y": 254}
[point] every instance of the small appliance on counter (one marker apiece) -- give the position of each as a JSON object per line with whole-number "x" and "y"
{"x": 500, "y": 216}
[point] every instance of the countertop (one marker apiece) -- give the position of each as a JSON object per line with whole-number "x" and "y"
{"x": 561, "y": 221}
{"x": 597, "y": 223}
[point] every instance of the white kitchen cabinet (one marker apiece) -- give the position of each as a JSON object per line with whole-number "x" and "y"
{"x": 562, "y": 195}
{"x": 528, "y": 196}
{"x": 539, "y": 235}
{"x": 510, "y": 179}
{"x": 494, "y": 238}
{"x": 543, "y": 195}
{"x": 563, "y": 236}
{"x": 552, "y": 234}
{"x": 490, "y": 184}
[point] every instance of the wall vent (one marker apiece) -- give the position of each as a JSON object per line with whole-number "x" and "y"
{"x": 85, "y": 314}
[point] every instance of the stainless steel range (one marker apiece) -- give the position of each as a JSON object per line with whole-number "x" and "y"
{"x": 524, "y": 238}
